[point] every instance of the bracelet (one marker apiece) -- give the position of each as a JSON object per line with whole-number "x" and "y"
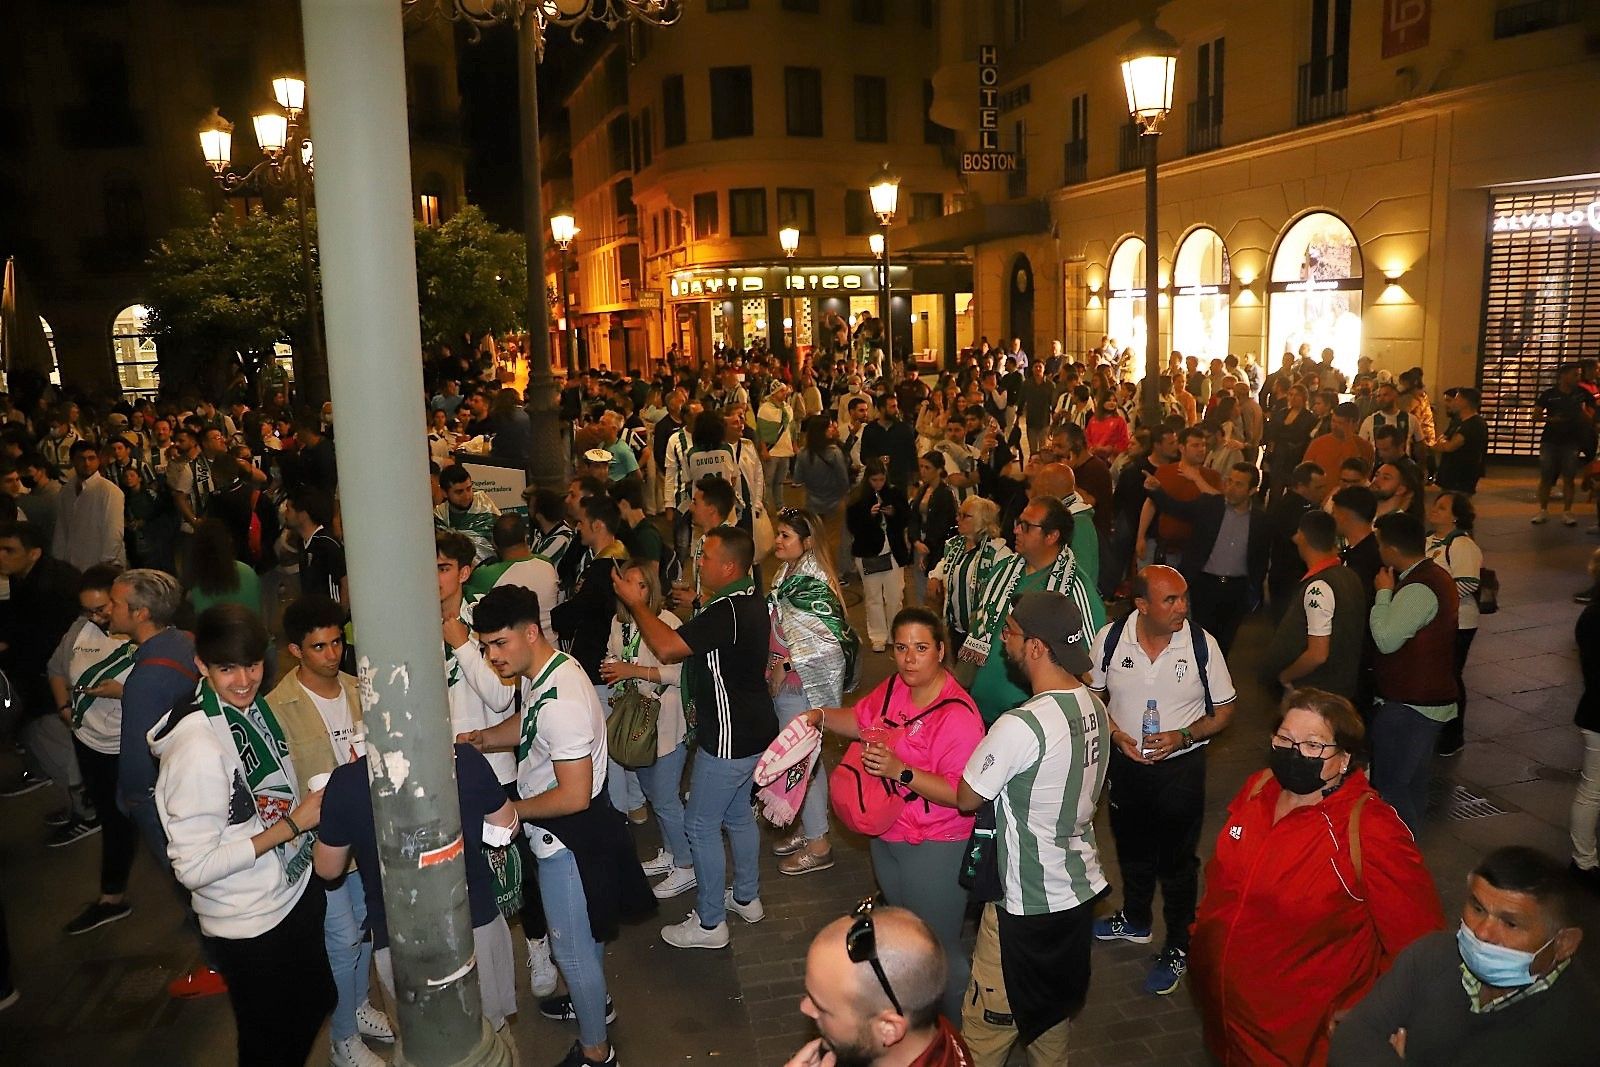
{"x": 1188, "y": 738}
{"x": 293, "y": 827}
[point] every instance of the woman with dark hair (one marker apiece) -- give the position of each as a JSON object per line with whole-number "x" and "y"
{"x": 212, "y": 574}
{"x": 1452, "y": 546}
{"x": 877, "y": 516}
{"x": 933, "y": 517}
{"x": 824, "y": 473}
{"x": 1287, "y": 436}
{"x": 149, "y": 520}
{"x": 1314, "y": 887}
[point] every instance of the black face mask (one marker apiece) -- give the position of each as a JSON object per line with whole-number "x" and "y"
{"x": 1300, "y": 775}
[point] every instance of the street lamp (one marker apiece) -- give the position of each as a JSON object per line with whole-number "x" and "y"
{"x": 789, "y": 240}
{"x": 563, "y": 228}
{"x": 532, "y": 18}
{"x": 287, "y": 157}
{"x": 1149, "y": 62}
{"x": 885, "y": 193}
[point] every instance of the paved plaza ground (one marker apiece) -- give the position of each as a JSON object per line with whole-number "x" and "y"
{"x": 101, "y": 998}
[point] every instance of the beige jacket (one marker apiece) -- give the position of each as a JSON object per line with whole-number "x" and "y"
{"x": 309, "y": 747}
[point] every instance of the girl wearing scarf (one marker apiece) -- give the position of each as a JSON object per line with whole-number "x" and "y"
{"x": 239, "y": 835}
{"x": 968, "y": 560}
{"x": 814, "y": 659}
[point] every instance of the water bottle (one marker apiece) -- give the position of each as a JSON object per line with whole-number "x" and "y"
{"x": 1151, "y": 725}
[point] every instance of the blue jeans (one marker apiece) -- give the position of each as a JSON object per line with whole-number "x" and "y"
{"x": 579, "y": 956}
{"x": 1402, "y": 759}
{"x": 662, "y": 782}
{"x": 791, "y": 703}
{"x": 622, "y": 785}
{"x": 719, "y": 796}
{"x": 349, "y": 952}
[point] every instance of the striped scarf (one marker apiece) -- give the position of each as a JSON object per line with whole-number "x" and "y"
{"x": 966, "y": 569}
{"x": 994, "y": 603}
{"x": 259, "y": 742}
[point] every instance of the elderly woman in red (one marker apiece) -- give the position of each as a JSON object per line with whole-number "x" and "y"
{"x": 1314, "y": 887}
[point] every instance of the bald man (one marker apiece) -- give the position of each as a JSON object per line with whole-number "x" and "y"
{"x": 1057, "y": 480}
{"x": 874, "y": 983}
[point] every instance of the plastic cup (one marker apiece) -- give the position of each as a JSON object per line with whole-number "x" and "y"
{"x": 874, "y": 735}
{"x": 318, "y": 781}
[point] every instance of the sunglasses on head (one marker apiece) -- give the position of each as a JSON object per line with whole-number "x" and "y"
{"x": 861, "y": 945}
{"x": 795, "y": 519}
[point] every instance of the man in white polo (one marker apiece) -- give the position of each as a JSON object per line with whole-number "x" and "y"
{"x": 1158, "y": 779}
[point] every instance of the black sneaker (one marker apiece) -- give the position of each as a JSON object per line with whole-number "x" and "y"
{"x": 576, "y": 1058}
{"x": 58, "y": 818}
{"x": 1449, "y": 746}
{"x": 1588, "y": 877}
{"x": 95, "y": 916}
{"x": 26, "y": 784}
{"x": 76, "y": 830}
{"x": 1585, "y": 597}
{"x": 560, "y": 1008}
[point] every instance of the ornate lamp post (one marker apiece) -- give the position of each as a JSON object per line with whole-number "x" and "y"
{"x": 885, "y": 193}
{"x": 1149, "y": 61}
{"x": 563, "y": 228}
{"x": 286, "y": 152}
{"x": 789, "y": 241}
{"x": 532, "y": 19}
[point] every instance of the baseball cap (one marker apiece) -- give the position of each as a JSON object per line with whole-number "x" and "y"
{"x": 597, "y": 455}
{"x": 1054, "y": 619}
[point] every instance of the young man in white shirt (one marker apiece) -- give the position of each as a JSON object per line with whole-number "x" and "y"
{"x": 560, "y": 740}
{"x": 317, "y": 708}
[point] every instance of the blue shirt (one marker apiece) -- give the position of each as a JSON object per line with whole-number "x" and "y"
{"x": 623, "y": 461}
{"x": 152, "y": 690}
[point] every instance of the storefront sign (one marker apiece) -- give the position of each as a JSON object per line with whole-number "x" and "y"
{"x": 989, "y": 156}
{"x": 1405, "y": 25}
{"x": 650, "y": 299}
{"x": 1197, "y": 290}
{"x": 1314, "y": 285}
{"x": 1128, "y": 294}
{"x": 1550, "y": 220}
{"x": 773, "y": 281}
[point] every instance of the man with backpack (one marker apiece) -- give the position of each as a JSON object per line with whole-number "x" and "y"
{"x": 1159, "y": 670}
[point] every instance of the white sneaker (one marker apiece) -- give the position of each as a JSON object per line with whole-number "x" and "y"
{"x": 681, "y": 880}
{"x": 1568, "y": 519}
{"x": 352, "y": 1053}
{"x": 658, "y": 864}
{"x": 541, "y": 968}
{"x": 690, "y": 934}
{"x": 1541, "y": 518}
{"x": 372, "y": 1022}
{"x": 752, "y": 912}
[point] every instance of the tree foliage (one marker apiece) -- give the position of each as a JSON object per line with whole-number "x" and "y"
{"x": 225, "y": 289}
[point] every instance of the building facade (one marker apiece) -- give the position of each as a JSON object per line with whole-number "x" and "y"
{"x": 694, "y": 145}
{"x": 1410, "y": 180}
{"x": 100, "y": 108}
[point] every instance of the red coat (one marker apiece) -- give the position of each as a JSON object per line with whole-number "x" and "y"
{"x": 1282, "y": 938}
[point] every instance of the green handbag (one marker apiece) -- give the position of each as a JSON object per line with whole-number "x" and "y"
{"x": 631, "y": 730}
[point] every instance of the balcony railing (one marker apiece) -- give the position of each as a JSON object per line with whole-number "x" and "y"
{"x": 1514, "y": 20}
{"x": 1205, "y": 124}
{"x": 1077, "y": 163}
{"x": 1324, "y": 86}
{"x": 1130, "y": 147}
{"x": 1017, "y": 180}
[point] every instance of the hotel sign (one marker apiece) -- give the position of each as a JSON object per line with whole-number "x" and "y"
{"x": 1519, "y": 221}
{"x": 989, "y": 156}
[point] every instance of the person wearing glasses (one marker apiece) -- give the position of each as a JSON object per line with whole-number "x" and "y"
{"x": 814, "y": 657}
{"x": 1042, "y": 766}
{"x": 1313, "y": 889}
{"x": 969, "y": 557}
{"x": 894, "y": 1020}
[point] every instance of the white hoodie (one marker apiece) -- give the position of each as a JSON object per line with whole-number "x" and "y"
{"x": 235, "y": 893}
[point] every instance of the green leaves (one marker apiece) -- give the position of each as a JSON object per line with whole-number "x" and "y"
{"x": 471, "y": 278}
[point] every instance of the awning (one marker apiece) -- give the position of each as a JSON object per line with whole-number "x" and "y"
{"x": 974, "y": 226}
{"x": 22, "y": 342}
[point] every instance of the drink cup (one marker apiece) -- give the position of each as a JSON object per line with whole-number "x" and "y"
{"x": 318, "y": 781}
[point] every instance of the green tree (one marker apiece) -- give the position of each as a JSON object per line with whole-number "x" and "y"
{"x": 471, "y": 279}
{"x": 226, "y": 288}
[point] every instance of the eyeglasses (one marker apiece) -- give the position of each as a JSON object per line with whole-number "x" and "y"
{"x": 1023, "y": 524}
{"x": 861, "y": 945}
{"x": 1309, "y": 749}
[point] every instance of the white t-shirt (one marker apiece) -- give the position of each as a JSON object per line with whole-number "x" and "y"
{"x": 348, "y": 745}
{"x": 1172, "y": 680}
{"x": 87, "y": 656}
{"x": 1463, "y": 558}
{"x": 1037, "y": 759}
{"x": 562, "y": 709}
{"x": 538, "y": 575}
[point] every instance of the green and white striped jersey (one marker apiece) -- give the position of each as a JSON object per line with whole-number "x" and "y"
{"x": 1043, "y": 764}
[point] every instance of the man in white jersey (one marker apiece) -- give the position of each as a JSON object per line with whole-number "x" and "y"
{"x": 1042, "y": 766}
{"x": 560, "y": 740}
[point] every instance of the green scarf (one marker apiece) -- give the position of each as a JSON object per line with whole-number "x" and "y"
{"x": 816, "y": 631}
{"x": 258, "y": 740}
{"x": 994, "y": 603}
{"x": 689, "y": 679}
{"x": 961, "y": 563}
{"x": 104, "y": 671}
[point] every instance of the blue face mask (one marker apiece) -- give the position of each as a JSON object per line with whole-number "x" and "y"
{"x": 1496, "y": 965}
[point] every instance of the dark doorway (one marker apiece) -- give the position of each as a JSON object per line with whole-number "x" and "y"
{"x": 1019, "y": 280}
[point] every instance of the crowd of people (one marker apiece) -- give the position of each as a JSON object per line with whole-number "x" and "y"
{"x": 1056, "y": 579}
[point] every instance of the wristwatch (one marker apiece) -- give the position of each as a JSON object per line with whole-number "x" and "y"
{"x": 1188, "y": 738}
{"x": 906, "y": 775}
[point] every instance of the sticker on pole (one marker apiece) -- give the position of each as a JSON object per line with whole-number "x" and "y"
{"x": 444, "y": 854}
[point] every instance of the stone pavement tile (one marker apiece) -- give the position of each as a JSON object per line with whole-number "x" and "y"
{"x": 1500, "y": 679}
{"x": 1556, "y": 667}
{"x": 1503, "y": 647}
{"x": 1489, "y": 718}
{"x": 1489, "y": 763}
{"x": 1512, "y": 828}
{"x": 1555, "y": 703}
{"x": 1554, "y": 746}
{"x": 1549, "y": 798}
